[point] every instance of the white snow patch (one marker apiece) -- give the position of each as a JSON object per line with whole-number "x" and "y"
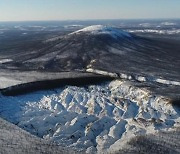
{"x": 168, "y": 23}
{"x": 2, "y": 61}
{"x": 157, "y": 31}
{"x": 129, "y": 77}
{"x": 36, "y": 26}
{"x": 73, "y": 26}
{"x": 116, "y": 51}
{"x": 101, "y": 72}
{"x": 141, "y": 78}
{"x": 163, "y": 81}
{"x": 4, "y": 81}
{"x": 145, "y": 24}
{"x": 125, "y": 76}
{"x": 89, "y": 66}
{"x": 20, "y": 28}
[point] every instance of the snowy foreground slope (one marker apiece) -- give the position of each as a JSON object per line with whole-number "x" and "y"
{"x": 95, "y": 118}
{"x": 14, "y": 140}
{"x": 158, "y": 143}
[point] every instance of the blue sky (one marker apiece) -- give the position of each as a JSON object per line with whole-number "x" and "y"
{"x": 23, "y": 10}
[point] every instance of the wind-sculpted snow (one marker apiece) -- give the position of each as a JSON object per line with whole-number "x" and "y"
{"x": 95, "y": 118}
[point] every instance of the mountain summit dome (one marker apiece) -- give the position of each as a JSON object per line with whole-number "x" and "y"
{"x": 100, "y": 29}
{"x": 103, "y": 48}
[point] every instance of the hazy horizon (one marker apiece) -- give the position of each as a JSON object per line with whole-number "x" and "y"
{"x": 62, "y": 20}
{"x": 45, "y": 10}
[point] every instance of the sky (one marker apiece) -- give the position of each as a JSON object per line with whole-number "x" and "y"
{"x": 28, "y": 10}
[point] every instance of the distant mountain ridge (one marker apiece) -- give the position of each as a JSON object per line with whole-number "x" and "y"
{"x": 103, "y": 48}
{"x": 98, "y": 44}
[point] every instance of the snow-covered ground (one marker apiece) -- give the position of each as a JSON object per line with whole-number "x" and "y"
{"x": 156, "y": 31}
{"x": 9, "y": 78}
{"x": 14, "y": 140}
{"x": 97, "y": 118}
{"x": 149, "y": 79}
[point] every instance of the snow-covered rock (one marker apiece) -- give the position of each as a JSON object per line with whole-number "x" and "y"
{"x": 94, "y": 118}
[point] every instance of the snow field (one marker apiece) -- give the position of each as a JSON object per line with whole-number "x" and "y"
{"x": 95, "y": 118}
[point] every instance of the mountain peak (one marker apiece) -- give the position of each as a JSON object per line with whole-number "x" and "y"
{"x": 100, "y": 29}
{"x": 93, "y": 28}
